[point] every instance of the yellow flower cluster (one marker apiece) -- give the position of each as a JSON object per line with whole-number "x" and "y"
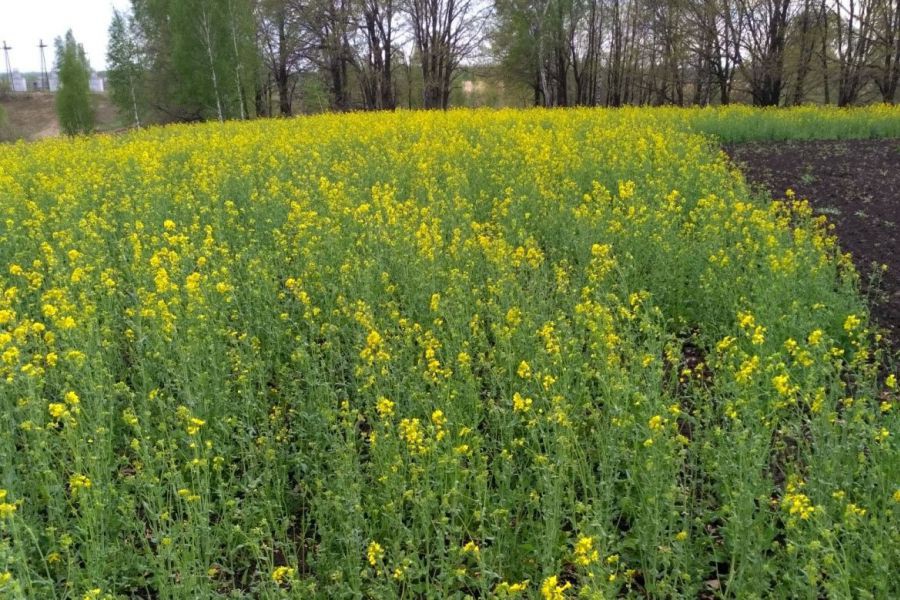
{"x": 7, "y": 509}
{"x": 79, "y": 482}
{"x": 281, "y": 574}
{"x": 585, "y": 551}
{"x": 374, "y": 553}
{"x": 551, "y": 589}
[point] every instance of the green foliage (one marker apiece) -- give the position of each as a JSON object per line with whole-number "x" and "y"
{"x": 5, "y": 134}
{"x": 125, "y": 74}
{"x": 200, "y": 56}
{"x": 73, "y": 100}
{"x": 513, "y": 40}
{"x": 741, "y": 123}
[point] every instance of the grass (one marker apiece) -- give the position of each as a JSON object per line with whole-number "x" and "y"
{"x": 539, "y": 354}
{"x": 741, "y": 123}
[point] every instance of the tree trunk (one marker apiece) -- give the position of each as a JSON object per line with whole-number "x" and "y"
{"x": 212, "y": 65}
{"x": 238, "y": 66}
{"x": 806, "y": 50}
{"x": 137, "y": 117}
{"x": 824, "y": 53}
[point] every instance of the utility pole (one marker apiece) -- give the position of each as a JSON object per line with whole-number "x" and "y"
{"x": 6, "y": 50}
{"x": 45, "y": 79}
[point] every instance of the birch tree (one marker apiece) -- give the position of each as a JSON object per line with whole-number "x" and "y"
{"x": 125, "y": 72}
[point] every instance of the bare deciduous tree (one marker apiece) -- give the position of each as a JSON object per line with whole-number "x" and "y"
{"x": 886, "y": 31}
{"x": 444, "y": 33}
{"x": 282, "y": 45}
{"x": 377, "y": 69}
{"x": 853, "y": 41}
{"x": 764, "y": 24}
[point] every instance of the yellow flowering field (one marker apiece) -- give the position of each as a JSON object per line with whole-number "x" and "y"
{"x": 537, "y": 354}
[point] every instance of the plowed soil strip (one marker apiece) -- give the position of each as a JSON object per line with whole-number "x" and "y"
{"x": 856, "y": 183}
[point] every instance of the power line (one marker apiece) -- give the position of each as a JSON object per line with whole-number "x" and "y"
{"x": 45, "y": 79}
{"x": 6, "y": 49}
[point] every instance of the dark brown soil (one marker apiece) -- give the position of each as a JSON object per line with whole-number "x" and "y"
{"x": 856, "y": 183}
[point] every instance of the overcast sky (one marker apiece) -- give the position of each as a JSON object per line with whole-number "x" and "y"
{"x": 24, "y": 22}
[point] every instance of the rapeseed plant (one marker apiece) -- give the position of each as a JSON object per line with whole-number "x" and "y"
{"x": 436, "y": 355}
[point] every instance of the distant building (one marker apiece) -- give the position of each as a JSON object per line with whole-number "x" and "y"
{"x": 96, "y": 83}
{"x": 18, "y": 82}
{"x": 472, "y": 87}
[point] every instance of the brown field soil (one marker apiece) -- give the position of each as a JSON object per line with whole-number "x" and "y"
{"x": 856, "y": 184}
{"x": 32, "y": 115}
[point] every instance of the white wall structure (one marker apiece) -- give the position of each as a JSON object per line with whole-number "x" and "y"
{"x": 18, "y": 82}
{"x": 96, "y": 83}
{"x": 53, "y": 80}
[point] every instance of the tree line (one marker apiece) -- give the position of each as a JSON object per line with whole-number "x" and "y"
{"x": 766, "y": 52}
{"x": 183, "y": 60}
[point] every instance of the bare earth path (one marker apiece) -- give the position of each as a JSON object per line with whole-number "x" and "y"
{"x": 32, "y": 116}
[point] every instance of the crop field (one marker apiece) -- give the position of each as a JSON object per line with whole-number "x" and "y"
{"x": 490, "y": 354}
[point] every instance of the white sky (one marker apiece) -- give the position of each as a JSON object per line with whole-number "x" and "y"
{"x": 24, "y": 22}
